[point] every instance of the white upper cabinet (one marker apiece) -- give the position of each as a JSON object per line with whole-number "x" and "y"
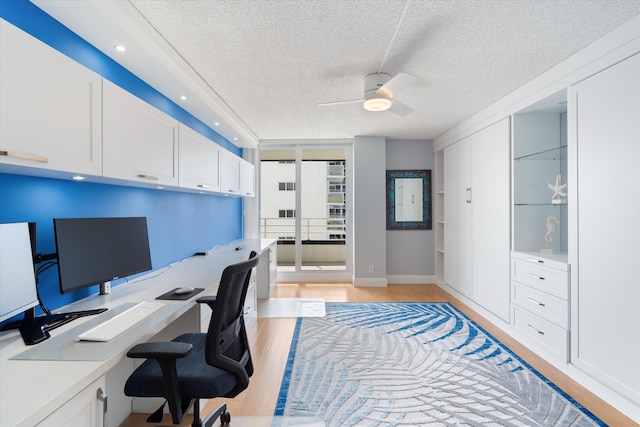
{"x": 140, "y": 142}
{"x": 199, "y": 161}
{"x": 247, "y": 178}
{"x": 50, "y": 107}
{"x": 229, "y": 173}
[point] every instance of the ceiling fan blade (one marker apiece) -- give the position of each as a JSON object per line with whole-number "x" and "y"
{"x": 400, "y": 109}
{"x": 397, "y": 83}
{"x": 328, "y": 104}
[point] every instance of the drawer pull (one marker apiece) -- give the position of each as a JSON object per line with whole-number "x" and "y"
{"x": 536, "y": 260}
{"x": 531, "y": 300}
{"x": 203, "y": 186}
{"x": 149, "y": 177}
{"x": 536, "y": 276}
{"x": 535, "y": 329}
{"x": 24, "y": 156}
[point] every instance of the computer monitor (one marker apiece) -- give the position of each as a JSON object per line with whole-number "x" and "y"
{"x": 17, "y": 277}
{"x": 96, "y": 250}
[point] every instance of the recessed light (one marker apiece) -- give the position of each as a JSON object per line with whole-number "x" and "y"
{"x": 120, "y": 48}
{"x": 78, "y": 178}
{"x": 235, "y": 139}
{"x": 184, "y": 98}
{"x": 217, "y": 124}
{"x": 159, "y": 187}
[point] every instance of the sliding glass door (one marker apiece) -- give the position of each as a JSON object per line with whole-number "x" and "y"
{"x": 304, "y": 204}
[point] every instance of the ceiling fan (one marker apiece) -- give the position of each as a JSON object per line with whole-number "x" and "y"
{"x": 379, "y": 91}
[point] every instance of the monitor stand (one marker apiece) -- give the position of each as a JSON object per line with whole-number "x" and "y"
{"x": 35, "y": 329}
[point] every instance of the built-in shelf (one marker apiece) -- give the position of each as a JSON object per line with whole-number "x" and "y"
{"x": 555, "y": 153}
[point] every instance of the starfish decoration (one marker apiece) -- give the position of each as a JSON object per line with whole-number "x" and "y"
{"x": 558, "y": 189}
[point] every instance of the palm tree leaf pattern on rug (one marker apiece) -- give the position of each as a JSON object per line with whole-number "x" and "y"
{"x": 415, "y": 364}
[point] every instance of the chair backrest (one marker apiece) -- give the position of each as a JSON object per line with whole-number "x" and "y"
{"x": 227, "y": 345}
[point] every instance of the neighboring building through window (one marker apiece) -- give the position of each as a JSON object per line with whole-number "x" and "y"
{"x": 287, "y": 186}
{"x": 286, "y": 213}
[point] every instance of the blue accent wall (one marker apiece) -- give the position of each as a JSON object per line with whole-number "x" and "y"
{"x": 179, "y": 223}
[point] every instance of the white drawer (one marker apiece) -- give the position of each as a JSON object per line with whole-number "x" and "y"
{"x": 551, "y": 337}
{"x": 548, "y": 306}
{"x": 549, "y": 280}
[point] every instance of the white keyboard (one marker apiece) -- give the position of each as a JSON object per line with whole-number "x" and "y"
{"x": 113, "y": 327}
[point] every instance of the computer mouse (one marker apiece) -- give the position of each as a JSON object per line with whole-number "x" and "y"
{"x": 182, "y": 291}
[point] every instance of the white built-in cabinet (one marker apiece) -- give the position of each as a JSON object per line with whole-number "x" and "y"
{"x": 50, "y": 108}
{"x": 476, "y": 217}
{"x": 457, "y": 214}
{"x": 229, "y": 173}
{"x": 88, "y": 408}
{"x": 59, "y": 119}
{"x": 267, "y": 271}
{"x": 247, "y": 178}
{"x": 604, "y": 136}
{"x": 199, "y": 161}
{"x": 140, "y": 142}
{"x": 237, "y": 176}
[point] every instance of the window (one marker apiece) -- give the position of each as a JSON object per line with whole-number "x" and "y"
{"x": 286, "y": 213}
{"x": 337, "y": 211}
{"x": 287, "y": 186}
{"x": 336, "y": 186}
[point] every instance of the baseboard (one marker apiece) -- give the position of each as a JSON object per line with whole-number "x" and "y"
{"x": 411, "y": 280}
{"x": 378, "y": 282}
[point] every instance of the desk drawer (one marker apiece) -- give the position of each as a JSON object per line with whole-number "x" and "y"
{"x": 549, "y": 280}
{"x": 551, "y": 337}
{"x": 548, "y": 306}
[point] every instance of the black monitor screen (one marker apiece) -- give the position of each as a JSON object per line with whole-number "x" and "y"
{"x": 97, "y": 250}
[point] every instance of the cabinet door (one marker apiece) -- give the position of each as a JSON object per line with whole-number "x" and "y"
{"x": 199, "y": 159}
{"x": 50, "y": 115}
{"x": 229, "y": 173}
{"x": 84, "y": 409}
{"x": 140, "y": 143}
{"x": 605, "y": 293}
{"x": 490, "y": 160}
{"x": 457, "y": 214}
{"x": 247, "y": 178}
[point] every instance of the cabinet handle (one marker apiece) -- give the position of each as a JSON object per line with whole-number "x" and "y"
{"x": 536, "y": 302}
{"x": 536, "y": 276}
{"x": 203, "y": 186}
{"x": 24, "y": 156}
{"x": 536, "y": 260}
{"x": 248, "y": 310}
{"x": 149, "y": 177}
{"x": 468, "y": 194}
{"x": 535, "y": 329}
{"x": 102, "y": 396}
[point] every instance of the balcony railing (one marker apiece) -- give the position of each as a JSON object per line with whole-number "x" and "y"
{"x": 313, "y": 229}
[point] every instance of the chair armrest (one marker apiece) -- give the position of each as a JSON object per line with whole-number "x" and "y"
{"x": 206, "y": 299}
{"x": 210, "y": 300}
{"x": 160, "y": 350}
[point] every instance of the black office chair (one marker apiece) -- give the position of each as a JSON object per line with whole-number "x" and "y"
{"x": 200, "y": 365}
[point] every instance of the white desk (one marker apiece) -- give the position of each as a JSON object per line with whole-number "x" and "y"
{"x": 31, "y": 391}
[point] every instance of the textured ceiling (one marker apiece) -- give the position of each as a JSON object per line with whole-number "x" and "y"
{"x": 272, "y": 61}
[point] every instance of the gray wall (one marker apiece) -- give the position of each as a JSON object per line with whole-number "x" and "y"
{"x": 369, "y": 211}
{"x": 411, "y": 252}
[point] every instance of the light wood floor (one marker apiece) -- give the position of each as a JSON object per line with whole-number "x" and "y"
{"x": 272, "y": 338}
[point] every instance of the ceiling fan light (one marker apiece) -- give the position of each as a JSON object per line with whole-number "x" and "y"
{"x": 377, "y": 104}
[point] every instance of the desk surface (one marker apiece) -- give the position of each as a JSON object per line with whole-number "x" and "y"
{"x": 32, "y": 389}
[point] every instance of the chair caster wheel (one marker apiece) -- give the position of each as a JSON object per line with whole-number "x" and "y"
{"x": 225, "y": 418}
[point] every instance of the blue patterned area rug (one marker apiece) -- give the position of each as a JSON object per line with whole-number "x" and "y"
{"x": 415, "y": 364}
